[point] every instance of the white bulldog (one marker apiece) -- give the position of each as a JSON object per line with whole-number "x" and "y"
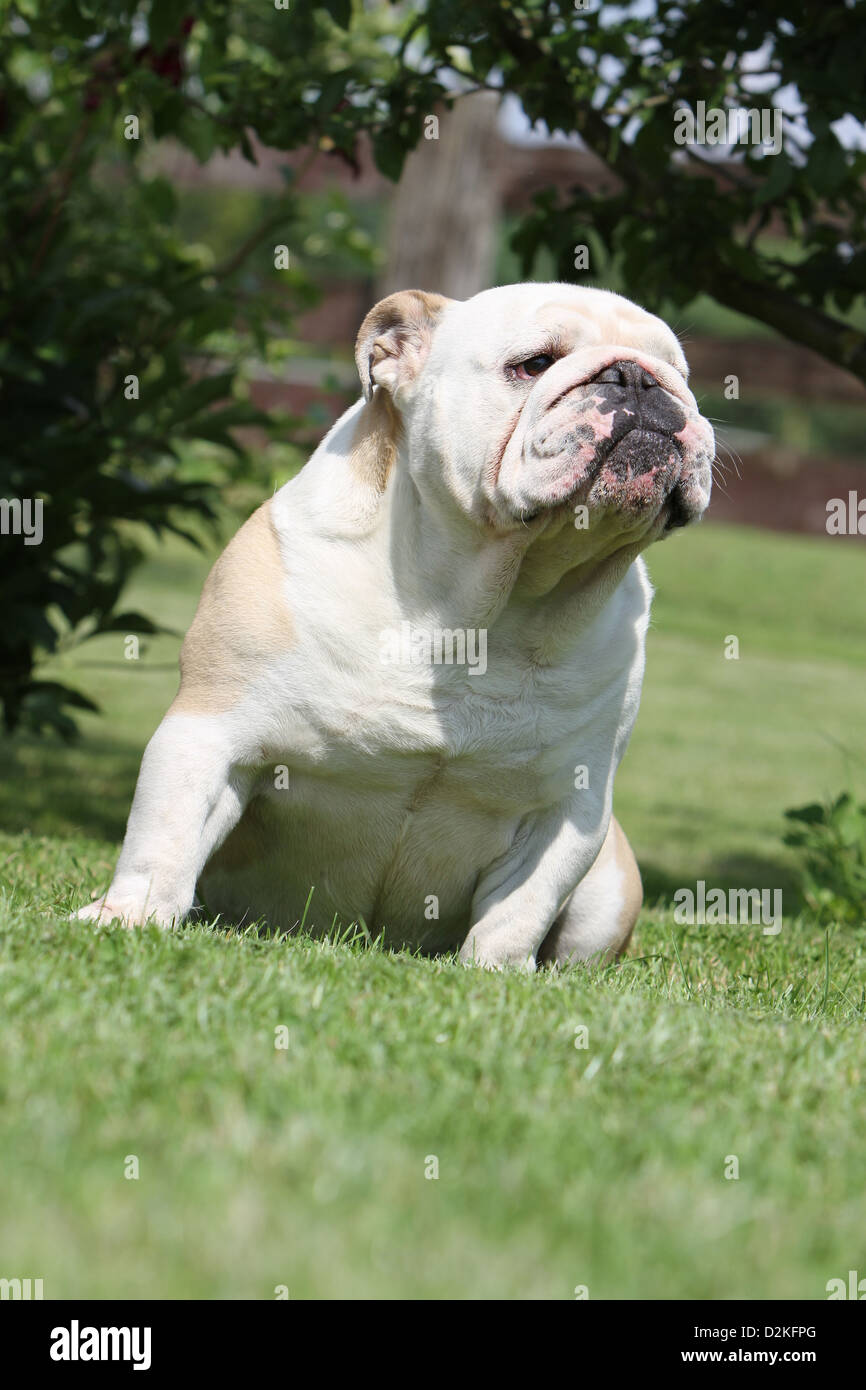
{"x": 414, "y": 671}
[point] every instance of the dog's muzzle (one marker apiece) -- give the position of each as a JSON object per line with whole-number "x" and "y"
{"x": 621, "y": 442}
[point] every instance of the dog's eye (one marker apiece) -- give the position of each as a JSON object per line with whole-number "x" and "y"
{"x": 533, "y": 366}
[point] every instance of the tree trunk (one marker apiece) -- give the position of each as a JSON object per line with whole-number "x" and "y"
{"x": 443, "y": 217}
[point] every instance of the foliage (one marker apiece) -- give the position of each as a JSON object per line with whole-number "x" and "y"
{"x": 677, "y": 221}
{"x": 831, "y": 839}
{"x": 109, "y": 368}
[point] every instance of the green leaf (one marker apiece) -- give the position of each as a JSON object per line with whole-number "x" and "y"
{"x": 163, "y": 22}
{"x": 389, "y": 152}
{"x": 160, "y": 198}
{"x": 778, "y": 180}
{"x": 201, "y": 393}
{"x": 61, "y": 694}
{"x": 339, "y": 10}
{"x": 813, "y": 814}
{"x": 128, "y": 622}
{"x": 199, "y": 133}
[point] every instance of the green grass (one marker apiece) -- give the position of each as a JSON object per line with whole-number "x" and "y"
{"x": 558, "y": 1166}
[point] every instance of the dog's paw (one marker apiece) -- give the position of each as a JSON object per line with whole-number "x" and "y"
{"x": 488, "y": 957}
{"x": 127, "y": 912}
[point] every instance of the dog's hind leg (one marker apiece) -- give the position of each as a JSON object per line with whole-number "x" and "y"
{"x": 597, "y": 921}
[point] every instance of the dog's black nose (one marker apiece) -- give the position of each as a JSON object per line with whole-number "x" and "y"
{"x": 627, "y": 374}
{"x": 637, "y": 399}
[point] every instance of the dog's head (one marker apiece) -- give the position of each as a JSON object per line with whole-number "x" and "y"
{"x": 537, "y": 406}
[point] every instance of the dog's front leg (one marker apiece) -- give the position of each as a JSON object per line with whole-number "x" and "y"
{"x": 188, "y": 797}
{"x": 519, "y": 898}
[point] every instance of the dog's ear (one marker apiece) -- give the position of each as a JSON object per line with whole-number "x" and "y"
{"x": 395, "y": 338}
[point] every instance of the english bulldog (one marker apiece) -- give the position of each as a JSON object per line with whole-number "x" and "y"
{"x": 413, "y": 672}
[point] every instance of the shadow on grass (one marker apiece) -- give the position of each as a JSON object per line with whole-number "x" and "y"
{"x": 725, "y": 871}
{"x": 52, "y": 788}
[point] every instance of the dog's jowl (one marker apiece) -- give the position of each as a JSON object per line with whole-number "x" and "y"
{"x": 414, "y": 671}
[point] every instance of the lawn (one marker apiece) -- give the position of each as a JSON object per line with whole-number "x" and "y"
{"x": 559, "y": 1166}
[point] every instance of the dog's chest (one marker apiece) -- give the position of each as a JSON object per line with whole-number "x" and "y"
{"x": 497, "y": 743}
{"x": 391, "y": 801}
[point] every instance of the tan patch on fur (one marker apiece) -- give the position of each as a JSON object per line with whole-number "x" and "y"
{"x": 617, "y": 847}
{"x": 242, "y": 619}
{"x": 398, "y": 326}
{"x": 433, "y": 303}
{"x": 374, "y": 446}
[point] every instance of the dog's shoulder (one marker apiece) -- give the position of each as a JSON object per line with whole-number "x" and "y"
{"x": 242, "y": 620}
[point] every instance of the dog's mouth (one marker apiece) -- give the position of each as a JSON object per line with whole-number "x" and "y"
{"x": 679, "y": 513}
{"x": 636, "y": 473}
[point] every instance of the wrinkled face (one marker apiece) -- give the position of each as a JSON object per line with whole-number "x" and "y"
{"x": 544, "y": 406}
